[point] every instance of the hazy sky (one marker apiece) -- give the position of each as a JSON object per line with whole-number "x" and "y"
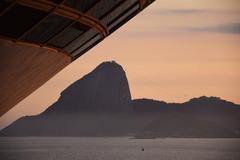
{"x": 174, "y": 50}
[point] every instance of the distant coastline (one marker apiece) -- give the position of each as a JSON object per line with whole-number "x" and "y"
{"x": 100, "y": 105}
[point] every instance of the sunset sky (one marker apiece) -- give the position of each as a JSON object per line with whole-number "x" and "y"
{"x": 172, "y": 51}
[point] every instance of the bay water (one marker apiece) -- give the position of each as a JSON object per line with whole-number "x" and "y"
{"x": 118, "y": 148}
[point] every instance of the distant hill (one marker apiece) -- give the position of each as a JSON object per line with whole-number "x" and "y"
{"x": 99, "y": 104}
{"x": 199, "y": 117}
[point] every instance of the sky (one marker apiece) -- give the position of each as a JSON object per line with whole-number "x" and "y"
{"x": 173, "y": 51}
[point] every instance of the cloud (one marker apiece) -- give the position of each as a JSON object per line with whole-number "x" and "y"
{"x": 178, "y": 11}
{"x": 232, "y": 28}
{"x": 192, "y": 11}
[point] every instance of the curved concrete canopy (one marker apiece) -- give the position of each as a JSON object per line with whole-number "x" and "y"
{"x": 38, "y": 38}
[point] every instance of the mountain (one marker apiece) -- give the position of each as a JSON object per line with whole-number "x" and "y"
{"x": 105, "y": 89}
{"x": 199, "y": 117}
{"x": 100, "y": 104}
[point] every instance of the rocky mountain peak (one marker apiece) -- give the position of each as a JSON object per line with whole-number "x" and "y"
{"x": 104, "y": 89}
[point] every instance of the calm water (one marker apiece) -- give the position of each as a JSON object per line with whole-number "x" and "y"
{"x": 36, "y": 148}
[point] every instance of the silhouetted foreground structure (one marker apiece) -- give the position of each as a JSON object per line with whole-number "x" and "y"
{"x": 100, "y": 104}
{"x": 38, "y": 38}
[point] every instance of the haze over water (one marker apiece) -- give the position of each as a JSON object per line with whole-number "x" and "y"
{"x": 36, "y": 148}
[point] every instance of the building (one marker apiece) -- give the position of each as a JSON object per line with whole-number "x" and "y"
{"x": 38, "y": 38}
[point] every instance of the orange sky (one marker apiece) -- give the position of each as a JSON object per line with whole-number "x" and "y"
{"x": 172, "y": 51}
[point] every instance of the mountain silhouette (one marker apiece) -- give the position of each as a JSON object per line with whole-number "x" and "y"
{"x": 105, "y": 89}
{"x": 100, "y": 104}
{"x": 199, "y": 117}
